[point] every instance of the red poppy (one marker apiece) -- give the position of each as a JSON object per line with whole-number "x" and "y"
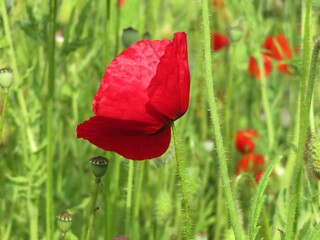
{"x": 279, "y": 49}
{"x": 253, "y": 66}
{"x": 252, "y": 162}
{"x": 219, "y": 41}
{"x": 142, "y": 92}
{"x": 258, "y": 176}
{"x": 120, "y": 3}
{"x": 218, "y": 3}
{"x": 244, "y": 142}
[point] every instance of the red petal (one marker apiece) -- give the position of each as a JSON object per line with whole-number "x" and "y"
{"x": 120, "y": 3}
{"x": 251, "y": 161}
{"x": 284, "y": 68}
{"x": 218, "y": 41}
{"x": 253, "y": 67}
{"x": 244, "y": 140}
{"x": 170, "y": 87}
{"x": 124, "y": 137}
{"x": 123, "y": 89}
{"x": 218, "y": 3}
{"x": 278, "y": 47}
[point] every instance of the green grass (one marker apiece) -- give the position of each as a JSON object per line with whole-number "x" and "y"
{"x": 45, "y": 170}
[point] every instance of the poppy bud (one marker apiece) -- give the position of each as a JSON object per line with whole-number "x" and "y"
{"x": 129, "y": 36}
{"x": 99, "y": 166}
{"x": 236, "y": 34}
{"x": 6, "y": 78}
{"x": 314, "y": 155}
{"x": 64, "y": 221}
{"x": 163, "y": 207}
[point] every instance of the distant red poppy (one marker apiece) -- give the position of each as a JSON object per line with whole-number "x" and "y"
{"x": 279, "y": 49}
{"x": 258, "y": 176}
{"x": 218, "y": 3}
{"x": 219, "y": 41}
{"x": 142, "y": 92}
{"x": 251, "y": 162}
{"x": 253, "y": 66}
{"x": 120, "y": 3}
{"x": 244, "y": 142}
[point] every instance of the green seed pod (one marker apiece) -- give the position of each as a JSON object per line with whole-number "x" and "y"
{"x": 236, "y": 34}
{"x": 99, "y": 166}
{"x": 314, "y": 155}
{"x": 163, "y": 207}
{"x": 6, "y": 78}
{"x": 129, "y": 36}
{"x": 64, "y": 221}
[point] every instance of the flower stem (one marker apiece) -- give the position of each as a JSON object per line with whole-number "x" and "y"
{"x": 129, "y": 198}
{"x": 181, "y": 179}
{"x": 3, "y": 113}
{"x": 216, "y": 126}
{"x": 50, "y": 134}
{"x": 266, "y": 105}
{"x": 306, "y": 92}
{"x": 93, "y": 207}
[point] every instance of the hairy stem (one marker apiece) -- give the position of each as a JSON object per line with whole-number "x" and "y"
{"x": 216, "y": 126}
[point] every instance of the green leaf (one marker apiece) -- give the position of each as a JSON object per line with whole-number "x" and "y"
{"x": 258, "y": 200}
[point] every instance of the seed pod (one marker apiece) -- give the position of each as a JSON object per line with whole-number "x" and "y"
{"x": 120, "y": 237}
{"x": 314, "y": 155}
{"x": 129, "y": 36}
{"x": 64, "y": 221}
{"x": 6, "y": 78}
{"x": 99, "y": 166}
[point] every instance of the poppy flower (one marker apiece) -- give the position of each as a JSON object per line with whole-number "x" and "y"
{"x": 279, "y": 49}
{"x": 252, "y": 162}
{"x": 244, "y": 142}
{"x": 120, "y": 3}
{"x": 258, "y": 176}
{"x": 254, "y": 69}
{"x": 218, "y": 3}
{"x": 143, "y": 90}
{"x": 219, "y": 41}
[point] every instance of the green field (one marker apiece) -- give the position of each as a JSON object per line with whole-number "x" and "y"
{"x": 243, "y": 160}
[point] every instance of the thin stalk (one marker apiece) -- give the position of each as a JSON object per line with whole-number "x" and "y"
{"x": 306, "y": 92}
{"x": 129, "y": 198}
{"x": 229, "y": 98}
{"x": 180, "y": 170}
{"x": 21, "y": 99}
{"x": 3, "y": 112}
{"x": 93, "y": 208}
{"x": 50, "y": 135}
{"x": 137, "y": 197}
{"x": 266, "y": 105}
{"x": 216, "y": 126}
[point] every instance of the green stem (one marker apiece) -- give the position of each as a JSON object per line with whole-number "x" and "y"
{"x": 129, "y": 198}
{"x": 50, "y": 135}
{"x": 21, "y": 98}
{"x": 137, "y": 197}
{"x": 306, "y": 92}
{"x": 181, "y": 179}
{"x": 93, "y": 208}
{"x": 229, "y": 98}
{"x": 3, "y": 113}
{"x": 266, "y": 105}
{"x": 216, "y": 126}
